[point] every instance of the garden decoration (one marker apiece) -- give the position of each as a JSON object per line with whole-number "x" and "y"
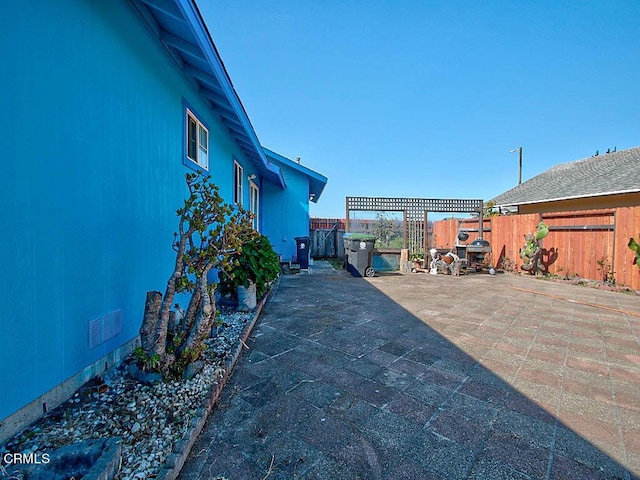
{"x": 448, "y": 263}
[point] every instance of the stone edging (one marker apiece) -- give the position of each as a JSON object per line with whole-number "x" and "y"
{"x": 177, "y": 458}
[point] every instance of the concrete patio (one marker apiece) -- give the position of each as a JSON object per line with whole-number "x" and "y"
{"x": 431, "y": 377}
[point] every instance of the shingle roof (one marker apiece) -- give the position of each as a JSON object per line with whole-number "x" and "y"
{"x": 605, "y": 174}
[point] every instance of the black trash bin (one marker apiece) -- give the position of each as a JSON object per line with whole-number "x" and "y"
{"x": 358, "y": 248}
{"x": 302, "y": 251}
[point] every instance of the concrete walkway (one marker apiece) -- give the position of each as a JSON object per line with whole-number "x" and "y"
{"x": 431, "y": 377}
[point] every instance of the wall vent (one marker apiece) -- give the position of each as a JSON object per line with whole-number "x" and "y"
{"x": 104, "y": 328}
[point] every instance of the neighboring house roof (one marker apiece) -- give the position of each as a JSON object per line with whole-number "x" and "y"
{"x": 605, "y": 174}
{"x": 317, "y": 181}
{"x": 181, "y": 29}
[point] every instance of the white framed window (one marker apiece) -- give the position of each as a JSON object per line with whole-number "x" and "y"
{"x": 254, "y": 204}
{"x": 196, "y": 142}
{"x": 238, "y": 173}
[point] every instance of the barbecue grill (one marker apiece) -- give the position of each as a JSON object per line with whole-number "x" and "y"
{"x": 472, "y": 254}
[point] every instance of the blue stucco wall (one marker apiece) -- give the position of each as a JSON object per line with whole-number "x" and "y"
{"x": 91, "y": 146}
{"x": 287, "y": 211}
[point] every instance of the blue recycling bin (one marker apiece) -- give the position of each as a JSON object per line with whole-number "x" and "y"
{"x": 302, "y": 251}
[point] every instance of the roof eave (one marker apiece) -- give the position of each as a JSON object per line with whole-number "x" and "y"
{"x": 560, "y": 199}
{"x": 200, "y": 61}
{"x": 317, "y": 181}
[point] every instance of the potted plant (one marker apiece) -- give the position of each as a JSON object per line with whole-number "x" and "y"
{"x": 417, "y": 259}
{"x": 252, "y": 268}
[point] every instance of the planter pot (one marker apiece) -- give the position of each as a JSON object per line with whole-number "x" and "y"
{"x": 246, "y": 297}
{"x": 447, "y": 259}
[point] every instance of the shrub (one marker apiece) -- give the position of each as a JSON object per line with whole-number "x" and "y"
{"x": 255, "y": 262}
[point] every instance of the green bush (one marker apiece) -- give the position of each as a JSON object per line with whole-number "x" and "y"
{"x": 255, "y": 262}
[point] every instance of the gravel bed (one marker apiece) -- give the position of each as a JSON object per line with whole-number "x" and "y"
{"x": 148, "y": 419}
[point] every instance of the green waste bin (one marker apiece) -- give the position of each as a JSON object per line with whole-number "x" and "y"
{"x": 358, "y": 248}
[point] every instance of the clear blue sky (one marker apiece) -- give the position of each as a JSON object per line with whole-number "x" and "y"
{"x": 426, "y": 98}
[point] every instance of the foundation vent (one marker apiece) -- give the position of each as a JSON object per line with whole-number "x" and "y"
{"x": 104, "y": 328}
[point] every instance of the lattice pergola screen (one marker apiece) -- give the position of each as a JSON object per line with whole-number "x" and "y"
{"x": 415, "y": 213}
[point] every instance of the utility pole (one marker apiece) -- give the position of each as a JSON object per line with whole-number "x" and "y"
{"x": 519, "y": 150}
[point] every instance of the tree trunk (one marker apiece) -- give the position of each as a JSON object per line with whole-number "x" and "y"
{"x": 171, "y": 327}
{"x": 160, "y": 333}
{"x": 150, "y": 319}
{"x": 192, "y": 309}
{"x": 205, "y": 317}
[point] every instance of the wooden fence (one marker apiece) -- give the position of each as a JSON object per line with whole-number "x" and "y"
{"x": 591, "y": 244}
{"x": 325, "y": 236}
{"x": 327, "y": 223}
{"x": 326, "y": 243}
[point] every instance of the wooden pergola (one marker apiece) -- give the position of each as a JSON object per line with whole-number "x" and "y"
{"x": 414, "y": 212}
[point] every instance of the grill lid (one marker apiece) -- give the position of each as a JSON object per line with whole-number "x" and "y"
{"x": 480, "y": 242}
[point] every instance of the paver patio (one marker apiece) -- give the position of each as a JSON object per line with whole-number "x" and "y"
{"x": 431, "y": 377}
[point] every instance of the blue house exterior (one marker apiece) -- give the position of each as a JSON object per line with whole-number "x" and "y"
{"x": 288, "y": 210}
{"x": 105, "y": 107}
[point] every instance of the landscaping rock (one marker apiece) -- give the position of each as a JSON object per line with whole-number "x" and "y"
{"x": 147, "y": 378}
{"x": 193, "y": 369}
{"x": 96, "y": 459}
